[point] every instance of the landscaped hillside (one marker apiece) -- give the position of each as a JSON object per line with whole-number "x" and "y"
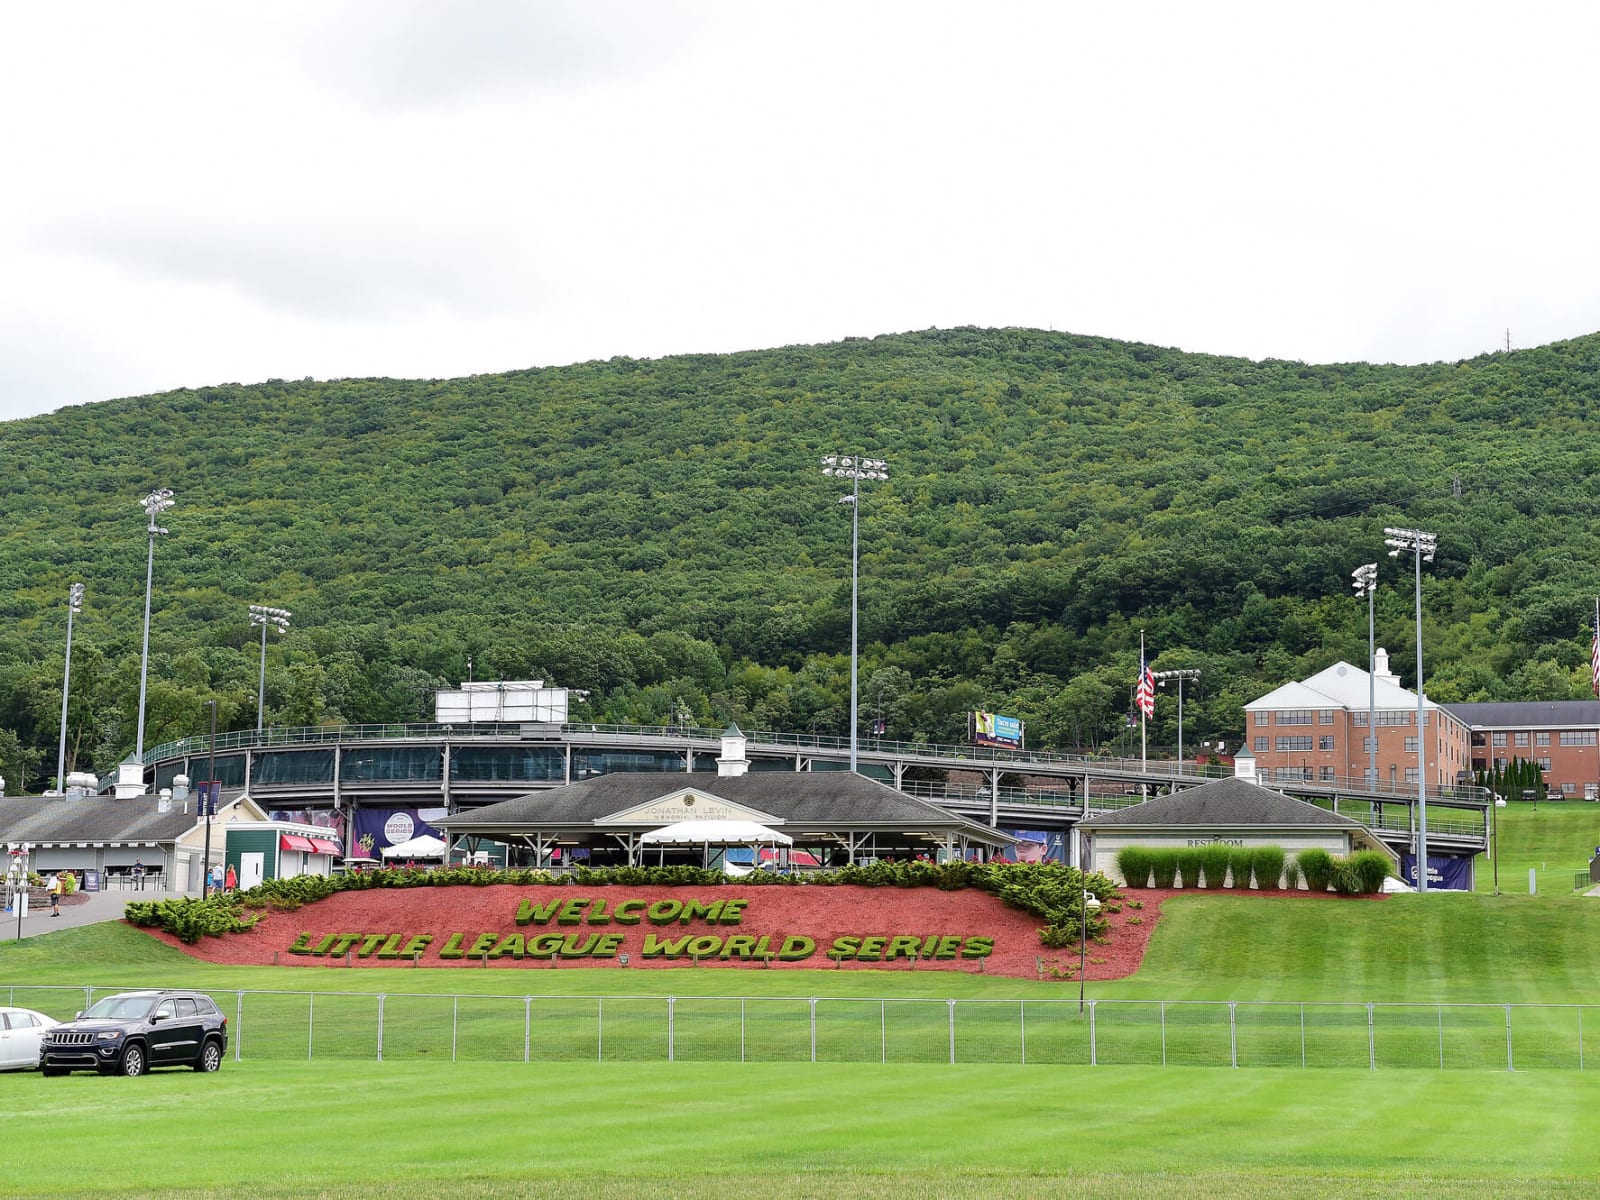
{"x": 659, "y": 533}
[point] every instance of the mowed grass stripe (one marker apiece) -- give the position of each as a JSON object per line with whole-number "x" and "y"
{"x": 699, "y": 1129}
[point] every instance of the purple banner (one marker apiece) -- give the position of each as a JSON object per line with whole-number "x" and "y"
{"x": 1446, "y": 873}
{"x": 378, "y": 828}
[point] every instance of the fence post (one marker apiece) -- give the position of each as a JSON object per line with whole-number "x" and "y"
{"x": 1022, "y": 1028}
{"x": 1511, "y": 1064}
{"x": 238, "y": 1038}
{"x": 741, "y": 1028}
{"x": 883, "y": 1032}
{"x": 1441, "y": 1037}
{"x": 1163, "y": 1033}
{"x": 1233, "y": 1034}
{"x": 672, "y": 1049}
{"x": 88, "y": 997}
{"x": 1302, "y": 1036}
{"x": 1580, "y": 1037}
{"x": 952, "y": 1005}
{"x": 600, "y": 1028}
{"x": 813, "y": 1003}
{"x": 455, "y": 1015}
{"x": 1094, "y": 1058}
{"x": 1372, "y": 1048}
{"x": 527, "y": 1026}
{"x": 311, "y": 1022}
{"x": 381, "y": 998}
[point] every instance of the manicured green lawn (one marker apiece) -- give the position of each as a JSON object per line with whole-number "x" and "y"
{"x": 421, "y": 1125}
{"x": 1554, "y": 839}
{"x": 489, "y": 1130}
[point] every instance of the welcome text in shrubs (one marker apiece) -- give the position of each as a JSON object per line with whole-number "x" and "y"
{"x": 576, "y": 910}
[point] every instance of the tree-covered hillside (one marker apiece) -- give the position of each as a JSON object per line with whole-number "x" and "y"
{"x": 659, "y": 532}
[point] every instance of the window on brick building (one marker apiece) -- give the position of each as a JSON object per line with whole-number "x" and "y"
{"x": 1324, "y": 743}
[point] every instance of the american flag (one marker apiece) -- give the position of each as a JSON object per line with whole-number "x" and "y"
{"x": 1594, "y": 655}
{"x": 1144, "y": 696}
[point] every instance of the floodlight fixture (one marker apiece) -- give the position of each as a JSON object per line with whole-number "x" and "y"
{"x": 74, "y": 606}
{"x": 265, "y": 615}
{"x": 1422, "y": 546}
{"x": 855, "y": 468}
{"x": 156, "y": 503}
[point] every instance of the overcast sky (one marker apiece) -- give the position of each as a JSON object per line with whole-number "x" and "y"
{"x": 207, "y": 192}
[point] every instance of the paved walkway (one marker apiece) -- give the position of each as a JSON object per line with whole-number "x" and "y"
{"x": 93, "y": 909}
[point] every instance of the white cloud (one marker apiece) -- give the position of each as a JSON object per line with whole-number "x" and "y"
{"x": 207, "y": 192}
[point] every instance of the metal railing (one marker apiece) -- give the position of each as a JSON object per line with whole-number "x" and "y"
{"x": 952, "y": 757}
{"x": 401, "y": 1026}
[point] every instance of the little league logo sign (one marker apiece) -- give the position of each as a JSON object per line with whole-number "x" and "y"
{"x": 399, "y": 828}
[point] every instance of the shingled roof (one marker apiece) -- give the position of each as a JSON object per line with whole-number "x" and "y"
{"x": 811, "y": 798}
{"x": 97, "y": 819}
{"x": 1231, "y": 802}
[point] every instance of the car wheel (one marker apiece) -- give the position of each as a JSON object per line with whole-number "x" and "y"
{"x": 210, "y": 1057}
{"x": 133, "y": 1061}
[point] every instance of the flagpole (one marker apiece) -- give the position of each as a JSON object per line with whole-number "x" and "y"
{"x": 1144, "y": 763}
{"x": 1594, "y": 651}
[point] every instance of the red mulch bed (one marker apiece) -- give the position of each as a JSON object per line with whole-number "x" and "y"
{"x": 822, "y": 913}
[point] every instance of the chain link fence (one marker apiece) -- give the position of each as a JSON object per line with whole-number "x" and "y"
{"x": 416, "y": 1027}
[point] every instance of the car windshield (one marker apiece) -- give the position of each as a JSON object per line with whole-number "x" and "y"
{"x": 119, "y": 1008}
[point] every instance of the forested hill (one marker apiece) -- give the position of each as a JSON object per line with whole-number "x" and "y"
{"x": 659, "y": 532}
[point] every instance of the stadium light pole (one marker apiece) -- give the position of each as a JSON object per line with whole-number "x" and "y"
{"x": 1422, "y": 546}
{"x": 74, "y": 605}
{"x": 1366, "y": 584}
{"x": 156, "y": 503}
{"x": 278, "y": 618}
{"x": 1161, "y": 678}
{"x": 855, "y": 469}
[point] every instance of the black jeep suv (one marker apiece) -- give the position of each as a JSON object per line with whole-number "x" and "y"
{"x": 133, "y": 1031}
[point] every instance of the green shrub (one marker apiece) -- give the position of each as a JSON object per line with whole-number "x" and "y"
{"x": 1189, "y": 866}
{"x": 1291, "y": 874}
{"x": 1371, "y": 868}
{"x": 1133, "y": 863}
{"x": 1239, "y": 860}
{"x": 1164, "y": 867}
{"x": 1267, "y": 862}
{"x": 1346, "y": 880}
{"x": 1215, "y": 861}
{"x": 1316, "y": 865}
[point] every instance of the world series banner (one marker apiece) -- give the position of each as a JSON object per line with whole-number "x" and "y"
{"x": 378, "y": 828}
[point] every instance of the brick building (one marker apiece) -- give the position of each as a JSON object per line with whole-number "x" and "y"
{"x": 1318, "y": 729}
{"x": 1562, "y": 736}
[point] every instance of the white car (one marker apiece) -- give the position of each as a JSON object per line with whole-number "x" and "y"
{"x": 21, "y": 1031}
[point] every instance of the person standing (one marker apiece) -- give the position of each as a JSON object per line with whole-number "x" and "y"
{"x": 57, "y": 885}
{"x": 230, "y": 881}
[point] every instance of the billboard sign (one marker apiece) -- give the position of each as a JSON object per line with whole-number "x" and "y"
{"x": 991, "y": 729}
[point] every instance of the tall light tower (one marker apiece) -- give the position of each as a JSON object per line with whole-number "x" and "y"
{"x": 74, "y": 606}
{"x": 1161, "y": 678}
{"x": 277, "y": 618}
{"x": 1422, "y": 546}
{"x": 1366, "y": 584}
{"x": 855, "y": 469}
{"x": 156, "y": 503}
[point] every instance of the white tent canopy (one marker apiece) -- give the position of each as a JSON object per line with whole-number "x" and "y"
{"x": 418, "y": 847}
{"x": 716, "y": 833}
